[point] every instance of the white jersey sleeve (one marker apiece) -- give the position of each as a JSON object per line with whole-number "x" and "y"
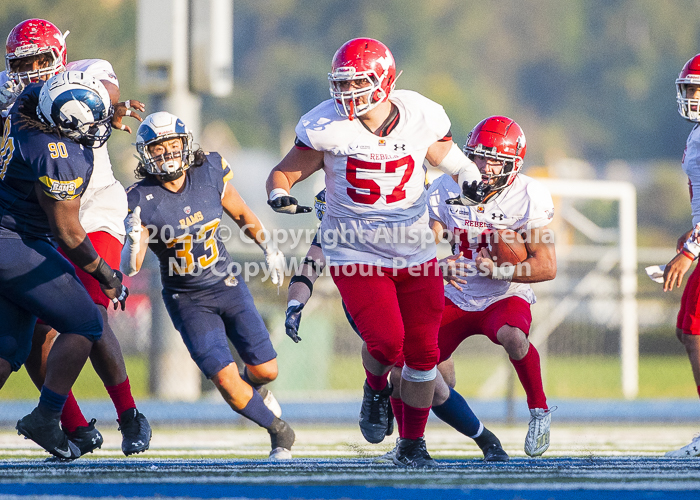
{"x": 540, "y": 211}
{"x": 440, "y": 190}
{"x": 97, "y": 68}
{"x": 691, "y": 167}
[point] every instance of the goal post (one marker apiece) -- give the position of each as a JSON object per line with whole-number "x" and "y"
{"x": 626, "y": 196}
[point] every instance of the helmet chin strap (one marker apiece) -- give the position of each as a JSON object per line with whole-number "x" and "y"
{"x": 172, "y": 176}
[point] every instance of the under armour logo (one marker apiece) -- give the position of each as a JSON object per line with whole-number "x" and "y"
{"x": 402, "y": 147}
{"x": 495, "y": 216}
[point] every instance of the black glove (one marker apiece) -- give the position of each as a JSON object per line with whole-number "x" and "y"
{"x": 472, "y": 194}
{"x": 122, "y": 298}
{"x": 292, "y": 321}
{"x": 287, "y": 205}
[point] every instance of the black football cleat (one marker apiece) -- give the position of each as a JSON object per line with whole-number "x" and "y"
{"x": 491, "y": 447}
{"x": 413, "y": 453}
{"x": 44, "y": 430}
{"x": 376, "y": 416}
{"x": 136, "y": 431}
{"x": 87, "y": 438}
{"x": 281, "y": 439}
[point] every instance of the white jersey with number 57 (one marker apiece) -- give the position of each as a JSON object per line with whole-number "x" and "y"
{"x": 375, "y": 186}
{"x": 371, "y": 177}
{"x": 525, "y": 204}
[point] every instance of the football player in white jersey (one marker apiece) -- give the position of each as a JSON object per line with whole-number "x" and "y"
{"x": 36, "y": 50}
{"x": 688, "y": 245}
{"x": 371, "y": 141}
{"x": 447, "y": 404}
{"x": 481, "y": 297}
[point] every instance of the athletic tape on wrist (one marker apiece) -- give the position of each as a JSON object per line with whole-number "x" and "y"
{"x": 692, "y": 247}
{"x": 503, "y": 273}
{"x": 278, "y": 193}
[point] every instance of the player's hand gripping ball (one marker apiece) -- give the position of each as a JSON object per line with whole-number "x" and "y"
{"x": 506, "y": 246}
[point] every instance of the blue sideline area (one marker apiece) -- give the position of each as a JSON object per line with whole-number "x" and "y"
{"x": 293, "y": 492}
{"x": 346, "y": 412}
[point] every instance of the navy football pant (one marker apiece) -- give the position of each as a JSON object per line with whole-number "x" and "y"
{"x": 206, "y": 318}
{"x": 36, "y": 281}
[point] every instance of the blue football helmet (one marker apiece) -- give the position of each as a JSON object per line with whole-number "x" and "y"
{"x": 159, "y": 127}
{"x": 320, "y": 204}
{"x": 78, "y": 106}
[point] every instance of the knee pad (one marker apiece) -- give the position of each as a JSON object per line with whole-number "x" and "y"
{"x": 412, "y": 375}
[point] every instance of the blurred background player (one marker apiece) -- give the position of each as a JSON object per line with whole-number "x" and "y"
{"x": 448, "y": 404}
{"x": 183, "y": 194}
{"x": 371, "y": 142}
{"x": 688, "y": 245}
{"x": 35, "y": 51}
{"x": 495, "y": 300}
{"x": 45, "y": 166}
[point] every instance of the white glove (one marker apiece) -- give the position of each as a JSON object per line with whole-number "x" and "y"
{"x": 133, "y": 226}
{"x": 9, "y": 93}
{"x": 133, "y": 242}
{"x": 276, "y": 263}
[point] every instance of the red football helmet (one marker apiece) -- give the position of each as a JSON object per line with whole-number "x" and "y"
{"x": 31, "y": 38}
{"x": 688, "y": 108}
{"x": 498, "y": 138}
{"x": 361, "y": 59}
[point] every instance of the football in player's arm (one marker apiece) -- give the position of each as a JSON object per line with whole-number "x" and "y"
{"x": 483, "y": 298}
{"x": 176, "y": 211}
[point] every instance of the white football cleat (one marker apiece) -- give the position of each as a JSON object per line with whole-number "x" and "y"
{"x": 688, "y": 451}
{"x": 270, "y": 401}
{"x": 537, "y": 439}
{"x": 280, "y": 454}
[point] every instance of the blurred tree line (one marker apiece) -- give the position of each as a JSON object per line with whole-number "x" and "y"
{"x": 590, "y": 79}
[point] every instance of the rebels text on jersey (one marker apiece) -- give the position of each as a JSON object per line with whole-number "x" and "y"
{"x": 184, "y": 227}
{"x": 27, "y": 155}
{"x": 525, "y": 204}
{"x": 371, "y": 177}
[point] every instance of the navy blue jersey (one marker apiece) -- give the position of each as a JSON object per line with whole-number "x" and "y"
{"x": 27, "y": 155}
{"x": 184, "y": 227}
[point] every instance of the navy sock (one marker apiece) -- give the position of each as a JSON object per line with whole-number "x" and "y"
{"x": 456, "y": 412}
{"x": 256, "y": 411}
{"x": 247, "y": 380}
{"x": 51, "y": 401}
